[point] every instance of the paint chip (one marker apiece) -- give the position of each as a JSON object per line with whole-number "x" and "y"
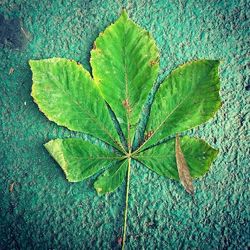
{"x": 12, "y": 187}
{"x": 11, "y": 71}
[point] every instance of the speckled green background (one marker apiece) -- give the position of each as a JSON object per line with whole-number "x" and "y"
{"x": 44, "y": 211}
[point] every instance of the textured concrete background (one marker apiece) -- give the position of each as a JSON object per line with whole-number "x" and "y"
{"x": 41, "y": 210}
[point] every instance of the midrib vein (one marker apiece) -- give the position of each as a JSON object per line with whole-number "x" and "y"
{"x": 126, "y": 85}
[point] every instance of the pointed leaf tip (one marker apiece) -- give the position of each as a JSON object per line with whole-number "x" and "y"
{"x": 65, "y": 91}
{"x": 126, "y": 75}
{"x": 124, "y": 13}
{"x": 193, "y": 89}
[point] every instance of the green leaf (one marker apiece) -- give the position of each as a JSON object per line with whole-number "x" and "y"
{"x": 188, "y": 97}
{"x": 161, "y": 159}
{"x": 125, "y": 66}
{"x": 67, "y": 95}
{"x": 111, "y": 178}
{"x": 79, "y": 159}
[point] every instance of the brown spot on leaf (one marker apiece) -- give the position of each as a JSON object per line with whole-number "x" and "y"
{"x": 126, "y": 105}
{"x": 94, "y": 45}
{"x": 183, "y": 170}
{"x": 148, "y": 135}
{"x": 153, "y": 62}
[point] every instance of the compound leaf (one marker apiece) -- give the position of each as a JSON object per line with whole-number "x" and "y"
{"x": 125, "y": 65}
{"x": 79, "y": 159}
{"x": 67, "y": 95}
{"x": 162, "y": 158}
{"x": 112, "y": 178}
{"x": 188, "y": 97}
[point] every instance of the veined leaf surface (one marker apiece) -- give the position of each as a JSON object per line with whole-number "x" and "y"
{"x": 79, "y": 159}
{"x": 161, "y": 159}
{"x": 188, "y": 97}
{"x": 125, "y": 66}
{"x": 67, "y": 95}
{"x": 112, "y": 178}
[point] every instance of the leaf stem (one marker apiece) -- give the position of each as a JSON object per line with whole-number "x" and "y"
{"x": 126, "y": 205}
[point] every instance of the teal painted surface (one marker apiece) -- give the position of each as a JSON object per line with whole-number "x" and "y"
{"x": 44, "y": 211}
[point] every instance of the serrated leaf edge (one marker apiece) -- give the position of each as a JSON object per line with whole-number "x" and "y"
{"x": 213, "y": 113}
